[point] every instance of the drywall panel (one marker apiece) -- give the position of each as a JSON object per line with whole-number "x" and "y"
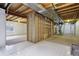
{"x": 2, "y": 27}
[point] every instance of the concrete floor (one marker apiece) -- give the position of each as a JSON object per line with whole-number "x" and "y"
{"x": 66, "y": 40}
{"x": 43, "y": 48}
{"x": 15, "y": 39}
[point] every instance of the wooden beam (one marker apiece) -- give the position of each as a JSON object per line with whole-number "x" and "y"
{"x": 18, "y": 19}
{"x": 23, "y": 10}
{"x": 13, "y": 18}
{"x": 73, "y": 12}
{"x": 27, "y": 11}
{"x": 68, "y": 8}
{"x": 70, "y": 16}
{"x": 10, "y": 18}
{"x": 67, "y": 14}
{"x": 69, "y": 11}
{"x": 49, "y": 5}
{"x": 60, "y": 7}
{"x": 18, "y": 7}
{"x": 64, "y": 5}
{"x": 12, "y": 13}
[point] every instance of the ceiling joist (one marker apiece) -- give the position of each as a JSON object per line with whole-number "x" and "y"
{"x": 27, "y": 11}
{"x": 12, "y": 13}
{"x": 70, "y": 11}
{"x": 65, "y": 10}
{"x": 69, "y": 8}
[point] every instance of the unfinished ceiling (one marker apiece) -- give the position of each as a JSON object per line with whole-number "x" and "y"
{"x": 17, "y": 12}
{"x": 64, "y": 10}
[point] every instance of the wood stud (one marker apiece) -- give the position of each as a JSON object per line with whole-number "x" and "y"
{"x": 39, "y": 27}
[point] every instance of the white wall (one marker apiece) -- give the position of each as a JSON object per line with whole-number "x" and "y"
{"x": 18, "y": 28}
{"x": 72, "y": 29}
{"x": 17, "y": 34}
{"x": 68, "y": 29}
{"x": 77, "y": 28}
{"x": 2, "y": 27}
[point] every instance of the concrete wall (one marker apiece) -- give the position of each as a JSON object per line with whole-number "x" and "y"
{"x": 77, "y": 28}
{"x": 2, "y": 27}
{"x": 15, "y": 32}
{"x": 66, "y": 29}
{"x": 71, "y": 29}
{"x": 15, "y": 28}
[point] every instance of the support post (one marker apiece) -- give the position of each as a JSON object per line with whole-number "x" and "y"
{"x": 2, "y": 27}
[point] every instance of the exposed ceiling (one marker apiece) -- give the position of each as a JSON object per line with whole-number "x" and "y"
{"x": 17, "y": 12}
{"x": 64, "y": 10}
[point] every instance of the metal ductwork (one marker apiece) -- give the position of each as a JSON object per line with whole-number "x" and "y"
{"x": 50, "y": 13}
{"x": 35, "y": 6}
{"x": 38, "y": 8}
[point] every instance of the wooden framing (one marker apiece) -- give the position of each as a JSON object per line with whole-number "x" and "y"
{"x": 39, "y": 27}
{"x": 65, "y": 10}
{"x": 12, "y": 13}
{"x": 69, "y": 8}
